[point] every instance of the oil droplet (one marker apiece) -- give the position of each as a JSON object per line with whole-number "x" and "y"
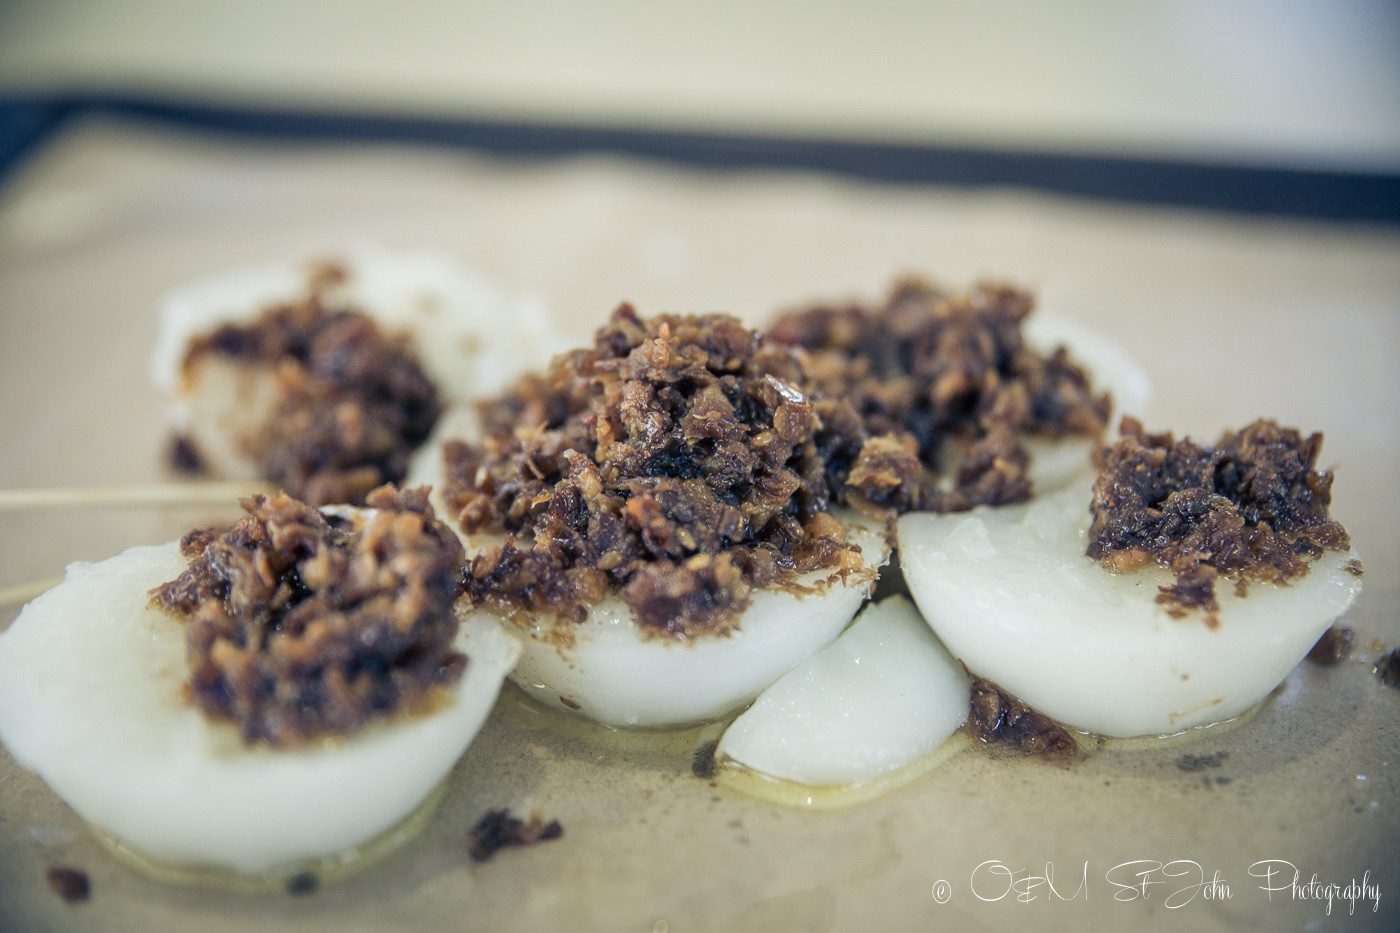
{"x": 791, "y": 794}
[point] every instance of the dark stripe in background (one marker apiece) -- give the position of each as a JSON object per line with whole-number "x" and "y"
{"x": 1240, "y": 188}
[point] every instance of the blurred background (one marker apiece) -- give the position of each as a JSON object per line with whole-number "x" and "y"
{"x": 1157, "y": 101}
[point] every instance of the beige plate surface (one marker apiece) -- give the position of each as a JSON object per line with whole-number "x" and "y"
{"x": 1233, "y": 317}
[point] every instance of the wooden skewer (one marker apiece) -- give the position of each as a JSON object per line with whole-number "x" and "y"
{"x": 24, "y": 592}
{"x": 153, "y": 494}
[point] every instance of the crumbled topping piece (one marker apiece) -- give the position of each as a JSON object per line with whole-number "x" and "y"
{"x": 302, "y": 883}
{"x": 498, "y": 830}
{"x": 998, "y": 717}
{"x": 1333, "y": 647}
{"x": 301, "y": 624}
{"x": 1388, "y": 668}
{"x": 71, "y": 884}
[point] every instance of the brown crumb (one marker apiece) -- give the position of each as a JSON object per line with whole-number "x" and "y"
{"x": 1333, "y": 647}
{"x": 71, "y": 884}
{"x": 998, "y": 717}
{"x": 1388, "y": 669}
{"x": 183, "y": 457}
{"x": 302, "y": 883}
{"x": 499, "y": 830}
{"x": 302, "y": 624}
{"x": 1253, "y": 508}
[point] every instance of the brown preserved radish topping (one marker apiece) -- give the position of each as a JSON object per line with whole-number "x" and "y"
{"x": 301, "y": 625}
{"x": 1388, "y": 668}
{"x": 71, "y": 884}
{"x": 998, "y": 717}
{"x": 674, "y": 461}
{"x": 1333, "y": 647}
{"x": 1253, "y": 508}
{"x": 499, "y": 830}
{"x": 926, "y": 400}
{"x": 351, "y": 402}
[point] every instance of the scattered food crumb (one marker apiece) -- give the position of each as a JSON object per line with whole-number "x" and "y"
{"x": 498, "y": 830}
{"x": 1388, "y": 668}
{"x": 703, "y": 765}
{"x": 997, "y": 716}
{"x": 71, "y": 884}
{"x": 1333, "y": 647}
{"x": 305, "y": 882}
{"x": 1194, "y": 763}
{"x": 184, "y": 457}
